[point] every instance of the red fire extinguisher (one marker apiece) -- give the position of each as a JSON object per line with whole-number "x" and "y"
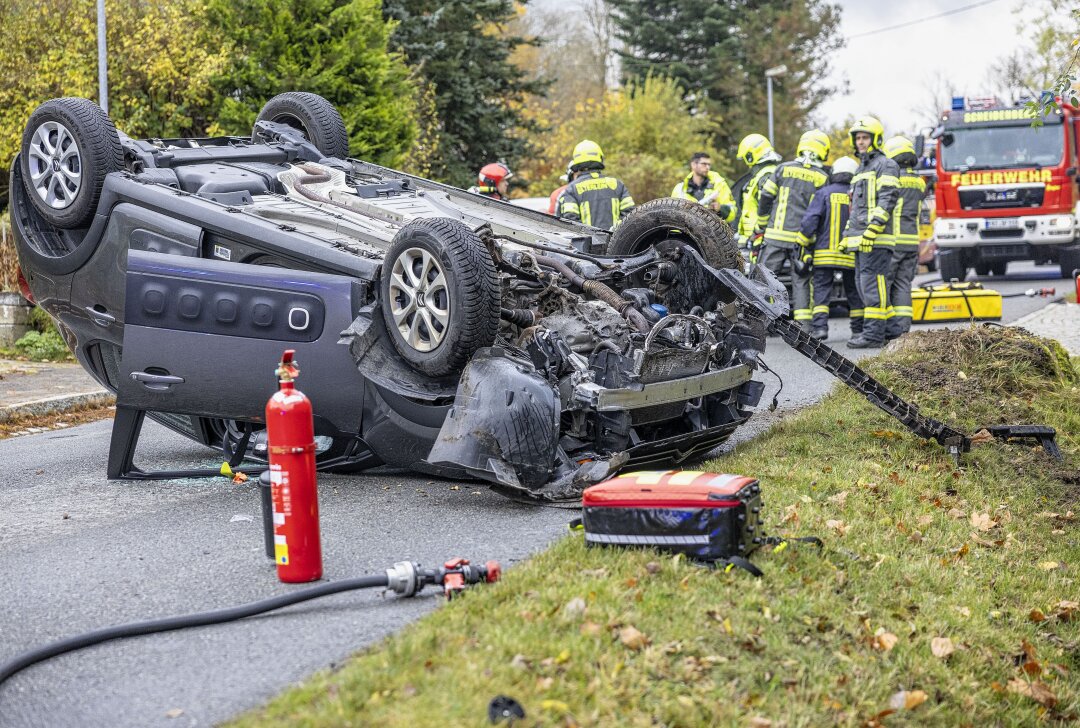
{"x": 291, "y": 440}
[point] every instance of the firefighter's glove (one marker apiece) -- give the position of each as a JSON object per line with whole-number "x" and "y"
{"x": 866, "y": 243}
{"x": 803, "y": 240}
{"x": 756, "y": 242}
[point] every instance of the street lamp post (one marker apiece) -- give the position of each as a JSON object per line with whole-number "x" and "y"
{"x": 770, "y": 74}
{"x": 102, "y": 64}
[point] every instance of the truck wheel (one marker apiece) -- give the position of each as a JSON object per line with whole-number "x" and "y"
{"x": 952, "y": 265}
{"x": 998, "y": 269}
{"x": 1069, "y": 260}
{"x": 312, "y": 114}
{"x": 667, "y": 222}
{"x": 982, "y": 269}
{"x": 68, "y": 147}
{"x": 440, "y": 295}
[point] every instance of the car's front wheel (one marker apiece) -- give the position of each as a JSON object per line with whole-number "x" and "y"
{"x": 440, "y": 295}
{"x": 68, "y": 147}
{"x": 667, "y": 222}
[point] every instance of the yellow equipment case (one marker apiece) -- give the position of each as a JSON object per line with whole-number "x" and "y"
{"x": 954, "y": 302}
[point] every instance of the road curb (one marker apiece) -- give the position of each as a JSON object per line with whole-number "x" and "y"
{"x": 55, "y": 405}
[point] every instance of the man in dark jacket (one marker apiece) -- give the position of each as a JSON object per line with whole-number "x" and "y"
{"x": 873, "y": 197}
{"x": 783, "y": 201}
{"x": 905, "y": 231}
{"x": 592, "y": 197}
{"x": 824, "y": 223}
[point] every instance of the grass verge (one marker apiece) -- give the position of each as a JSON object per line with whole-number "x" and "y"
{"x": 945, "y": 596}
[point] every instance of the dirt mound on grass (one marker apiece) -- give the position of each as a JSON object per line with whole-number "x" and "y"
{"x": 977, "y": 375}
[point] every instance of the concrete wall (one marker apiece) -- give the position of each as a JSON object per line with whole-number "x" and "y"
{"x": 14, "y": 317}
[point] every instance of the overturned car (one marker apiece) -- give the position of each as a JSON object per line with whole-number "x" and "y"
{"x": 439, "y": 331}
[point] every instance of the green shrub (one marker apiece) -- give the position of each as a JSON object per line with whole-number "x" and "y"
{"x": 38, "y": 346}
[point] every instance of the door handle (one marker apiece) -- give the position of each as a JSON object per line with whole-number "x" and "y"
{"x": 100, "y": 317}
{"x": 159, "y": 382}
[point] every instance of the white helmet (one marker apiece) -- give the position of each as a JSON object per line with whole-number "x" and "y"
{"x": 845, "y": 165}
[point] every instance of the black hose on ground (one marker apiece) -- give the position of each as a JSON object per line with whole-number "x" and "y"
{"x": 168, "y": 624}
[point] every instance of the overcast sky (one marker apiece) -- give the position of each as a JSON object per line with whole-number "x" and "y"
{"x": 889, "y": 72}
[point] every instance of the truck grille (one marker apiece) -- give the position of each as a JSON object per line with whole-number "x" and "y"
{"x": 1013, "y": 234}
{"x": 1003, "y": 197}
{"x": 1010, "y": 252}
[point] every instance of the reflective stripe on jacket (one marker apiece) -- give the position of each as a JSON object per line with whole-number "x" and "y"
{"x": 905, "y": 218}
{"x": 595, "y": 199}
{"x": 874, "y": 190}
{"x": 784, "y": 199}
{"x": 748, "y": 205}
{"x": 824, "y": 223}
{"x": 714, "y": 183}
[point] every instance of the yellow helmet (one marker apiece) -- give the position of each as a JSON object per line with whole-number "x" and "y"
{"x": 898, "y": 145}
{"x": 587, "y": 152}
{"x": 754, "y": 148}
{"x": 815, "y": 142}
{"x": 871, "y": 126}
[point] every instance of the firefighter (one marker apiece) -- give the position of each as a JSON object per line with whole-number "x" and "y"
{"x": 905, "y": 232}
{"x": 706, "y": 187}
{"x": 874, "y": 190}
{"x": 493, "y": 181}
{"x": 592, "y": 197}
{"x": 784, "y": 197}
{"x": 824, "y": 223}
{"x": 761, "y": 159}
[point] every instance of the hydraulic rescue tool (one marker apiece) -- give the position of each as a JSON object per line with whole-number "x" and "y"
{"x": 405, "y": 578}
{"x": 291, "y": 444}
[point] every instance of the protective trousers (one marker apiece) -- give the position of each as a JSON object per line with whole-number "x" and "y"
{"x": 773, "y": 257}
{"x": 823, "y": 286}
{"x": 905, "y": 260}
{"x": 872, "y": 271}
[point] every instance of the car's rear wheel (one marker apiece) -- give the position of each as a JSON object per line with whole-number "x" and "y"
{"x": 68, "y": 147}
{"x": 440, "y": 295}
{"x": 312, "y": 114}
{"x": 667, "y": 222}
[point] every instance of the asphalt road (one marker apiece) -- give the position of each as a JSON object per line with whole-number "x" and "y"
{"x": 78, "y": 553}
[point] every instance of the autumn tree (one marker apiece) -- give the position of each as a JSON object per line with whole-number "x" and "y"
{"x": 719, "y": 52}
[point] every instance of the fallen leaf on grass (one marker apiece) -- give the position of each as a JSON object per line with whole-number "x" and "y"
{"x": 963, "y": 611}
{"x": 1036, "y": 690}
{"x": 555, "y": 706}
{"x": 955, "y": 513}
{"x": 907, "y": 699}
{"x": 791, "y": 515}
{"x": 520, "y": 662}
{"x": 758, "y": 722}
{"x": 1066, "y": 610}
{"x": 988, "y": 544}
{"x": 925, "y": 520}
{"x": 1051, "y": 565}
{"x": 632, "y": 638}
{"x": 652, "y": 567}
{"x": 961, "y": 374}
{"x": 884, "y": 641}
{"x": 941, "y": 647}
{"x": 982, "y": 436}
{"x": 840, "y": 498}
{"x": 591, "y": 629}
{"x": 1036, "y": 615}
{"x": 983, "y": 521}
{"x": 885, "y": 434}
{"x": 574, "y": 608}
{"x": 837, "y": 526}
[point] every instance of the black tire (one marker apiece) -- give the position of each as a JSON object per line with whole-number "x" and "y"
{"x": 470, "y": 295}
{"x": 952, "y": 265}
{"x": 64, "y": 183}
{"x": 1069, "y": 260}
{"x": 982, "y": 269}
{"x": 998, "y": 269}
{"x": 311, "y": 114}
{"x": 667, "y": 221}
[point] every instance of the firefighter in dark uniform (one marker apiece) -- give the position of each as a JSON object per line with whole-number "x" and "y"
{"x": 593, "y": 198}
{"x": 824, "y": 223}
{"x": 781, "y": 206}
{"x": 758, "y": 154}
{"x": 707, "y": 187}
{"x": 493, "y": 181}
{"x": 874, "y": 190}
{"x": 905, "y": 232}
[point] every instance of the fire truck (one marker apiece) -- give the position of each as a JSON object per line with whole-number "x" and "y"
{"x": 1006, "y": 190}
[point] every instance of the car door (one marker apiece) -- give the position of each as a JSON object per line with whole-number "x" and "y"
{"x": 203, "y": 337}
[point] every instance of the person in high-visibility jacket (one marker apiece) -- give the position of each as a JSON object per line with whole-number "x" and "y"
{"x": 874, "y": 190}
{"x": 706, "y": 187}
{"x": 785, "y": 196}
{"x": 904, "y": 227}
{"x": 592, "y": 197}
{"x": 824, "y": 223}
{"x": 757, "y": 152}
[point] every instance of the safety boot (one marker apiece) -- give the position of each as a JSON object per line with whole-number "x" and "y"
{"x": 819, "y": 334}
{"x": 861, "y": 342}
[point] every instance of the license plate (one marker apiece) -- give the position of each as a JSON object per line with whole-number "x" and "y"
{"x": 1003, "y": 223}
